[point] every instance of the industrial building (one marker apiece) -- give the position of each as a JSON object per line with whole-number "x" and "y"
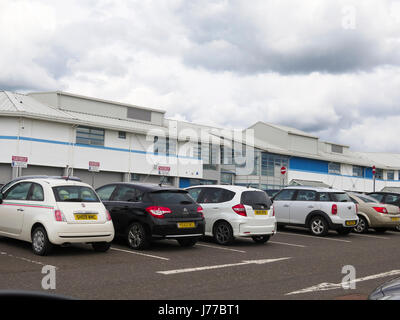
{"x": 100, "y": 141}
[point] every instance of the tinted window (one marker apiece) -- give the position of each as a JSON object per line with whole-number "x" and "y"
{"x": 306, "y": 195}
{"x": 215, "y": 195}
{"x": 106, "y": 192}
{"x": 255, "y": 197}
{"x": 324, "y": 196}
{"x": 285, "y": 195}
{"x": 391, "y": 198}
{"x": 368, "y": 199}
{"x": 340, "y": 197}
{"x": 170, "y": 197}
{"x": 377, "y": 196}
{"x": 125, "y": 193}
{"x": 36, "y": 193}
{"x": 194, "y": 193}
{"x": 75, "y": 194}
{"x": 19, "y": 191}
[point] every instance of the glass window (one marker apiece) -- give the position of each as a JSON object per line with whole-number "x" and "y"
{"x": 36, "y": 193}
{"x": 306, "y": 195}
{"x": 90, "y": 136}
{"x": 122, "y": 134}
{"x": 215, "y": 195}
{"x": 324, "y": 196}
{"x": 106, "y": 192}
{"x": 377, "y": 196}
{"x": 358, "y": 171}
{"x": 19, "y": 191}
{"x": 334, "y": 167}
{"x": 391, "y": 198}
{"x": 226, "y": 178}
{"x": 286, "y": 194}
{"x": 340, "y": 197}
{"x": 367, "y": 199}
{"x": 125, "y": 193}
{"x": 194, "y": 193}
{"x": 75, "y": 194}
{"x": 379, "y": 174}
{"x": 255, "y": 197}
{"x": 390, "y": 175}
{"x": 170, "y": 197}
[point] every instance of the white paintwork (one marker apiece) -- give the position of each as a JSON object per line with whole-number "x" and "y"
{"x": 248, "y": 226}
{"x": 17, "y": 220}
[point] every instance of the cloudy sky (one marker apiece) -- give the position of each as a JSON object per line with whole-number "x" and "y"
{"x": 331, "y": 68}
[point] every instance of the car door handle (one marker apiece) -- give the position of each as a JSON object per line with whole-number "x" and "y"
{"x": 20, "y": 210}
{"x": 286, "y": 205}
{"x": 311, "y": 207}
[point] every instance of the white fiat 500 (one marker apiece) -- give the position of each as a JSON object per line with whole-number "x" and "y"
{"x": 235, "y": 211}
{"x": 49, "y": 212}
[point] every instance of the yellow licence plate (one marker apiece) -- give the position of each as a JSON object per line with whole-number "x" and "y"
{"x": 351, "y": 223}
{"x": 261, "y": 212}
{"x": 81, "y": 216}
{"x": 182, "y": 225}
{"x": 395, "y": 219}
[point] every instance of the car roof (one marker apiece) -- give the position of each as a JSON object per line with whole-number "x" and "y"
{"x": 384, "y": 192}
{"x": 227, "y": 187}
{"x": 145, "y": 187}
{"x": 58, "y": 182}
{"x": 318, "y": 189}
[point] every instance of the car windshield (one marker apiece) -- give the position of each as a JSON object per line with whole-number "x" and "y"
{"x": 171, "y": 197}
{"x": 75, "y": 194}
{"x": 340, "y": 197}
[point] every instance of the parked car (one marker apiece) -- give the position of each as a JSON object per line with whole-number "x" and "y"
{"x": 373, "y": 214}
{"x": 272, "y": 192}
{"x": 235, "y": 211}
{"x": 388, "y": 291}
{"x": 48, "y": 212}
{"x": 142, "y": 212}
{"x": 319, "y": 209}
{"x": 387, "y": 198}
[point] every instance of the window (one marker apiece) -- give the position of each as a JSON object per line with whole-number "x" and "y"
{"x": 306, "y": 195}
{"x": 126, "y": 193}
{"x": 367, "y": 199}
{"x": 337, "y": 149}
{"x": 286, "y": 194}
{"x": 215, "y": 195}
{"x": 271, "y": 164}
{"x": 324, "y": 196}
{"x": 377, "y": 196}
{"x": 379, "y": 174}
{"x": 339, "y": 197}
{"x": 122, "y": 134}
{"x": 106, "y": 192}
{"x": 390, "y": 175}
{"x": 75, "y": 194}
{"x": 255, "y": 198}
{"x": 90, "y": 136}
{"x": 170, "y": 197}
{"x": 164, "y": 145}
{"x": 19, "y": 191}
{"x": 392, "y": 199}
{"x": 358, "y": 171}
{"x": 334, "y": 167}
{"x": 36, "y": 193}
{"x": 226, "y": 178}
{"x": 194, "y": 193}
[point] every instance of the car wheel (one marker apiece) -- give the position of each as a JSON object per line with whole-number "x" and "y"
{"x": 101, "y": 246}
{"x": 137, "y": 236}
{"x": 380, "y": 230}
{"x": 397, "y": 228}
{"x": 362, "y": 225}
{"x": 318, "y": 226}
{"x": 41, "y": 245}
{"x": 223, "y": 233}
{"x": 281, "y": 226}
{"x": 187, "y": 242}
{"x": 344, "y": 231}
{"x": 261, "y": 239}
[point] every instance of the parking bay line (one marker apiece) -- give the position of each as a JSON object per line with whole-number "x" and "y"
{"x": 246, "y": 262}
{"x": 229, "y": 249}
{"x": 322, "y": 238}
{"x": 288, "y": 244}
{"x": 369, "y": 236}
{"x": 2, "y": 253}
{"x": 332, "y": 286}
{"x": 139, "y": 253}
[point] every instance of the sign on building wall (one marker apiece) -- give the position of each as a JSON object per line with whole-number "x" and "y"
{"x": 164, "y": 170}
{"x": 19, "y": 162}
{"x": 94, "y": 166}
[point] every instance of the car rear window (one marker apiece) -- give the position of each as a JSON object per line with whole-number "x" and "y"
{"x": 170, "y": 197}
{"x": 255, "y": 197}
{"x": 368, "y": 199}
{"x": 75, "y": 194}
{"x": 340, "y": 197}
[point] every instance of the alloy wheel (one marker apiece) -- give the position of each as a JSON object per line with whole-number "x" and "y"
{"x": 222, "y": 233}
{"x": 135, "y": 236}
{"x": 38, "y": 241}
{"x": 361, "y": 226}
{"x": 317, "y": 226}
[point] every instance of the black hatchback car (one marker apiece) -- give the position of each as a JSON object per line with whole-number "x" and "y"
{"x": 142, "y": 212}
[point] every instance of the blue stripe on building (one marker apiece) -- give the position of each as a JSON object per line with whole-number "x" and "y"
{"x": 308, "y": 165}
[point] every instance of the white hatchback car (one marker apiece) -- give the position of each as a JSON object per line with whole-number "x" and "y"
{"x": 318, "y": 209}
{"x": 235, "y": 211}
{"x": 49, "y": 212}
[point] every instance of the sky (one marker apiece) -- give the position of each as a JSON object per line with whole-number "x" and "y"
{"x": 330, "y": 68}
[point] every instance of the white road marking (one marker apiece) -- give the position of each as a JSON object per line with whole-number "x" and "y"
{"x": 314, "y": 237}
{"x": 140, "y": 254}
{"x": 288, "y": 244}
{"x": 263, "y": 261}
{"x": 325, "y": 286}
{"x": 369, "y": 236}
{"x": 2, "y": 253}
{"x": 220, "y": 248}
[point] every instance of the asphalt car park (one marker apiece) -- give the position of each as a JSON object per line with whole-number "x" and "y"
{"x": 292, "y": 265}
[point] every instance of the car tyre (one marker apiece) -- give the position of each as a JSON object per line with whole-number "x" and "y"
{"x": 318, "y": 226}
{"x": 362, "y": 226}
{"x": 41, "y": 245}
{"x": 380, "y": 230}
{"x": 101, "y": 246}
{"x": 397, "y": 228}
{"x": 261, "y": 239}
{"x": 344, "y": 231}
{"x": 187, "y": 242}
{"x": 223, "y": 233}
{"x": 137, "y": 236}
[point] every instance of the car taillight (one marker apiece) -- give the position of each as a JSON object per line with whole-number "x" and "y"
{"x": 158, "y": 212}
{"x": 334, "y": 209}
{"x": 59, "y": 216}
{"x": 200, "y": 210}
{"x": 240, "y": 210}
{"x": 381, "y": 210}
{"x": 273, "y": 211}
{"x": 356, "y": 207}
{"x": 108, "y": 216}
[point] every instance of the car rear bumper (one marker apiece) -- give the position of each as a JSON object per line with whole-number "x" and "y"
{"x": 170, "y": 229}
{"x": 81, "y": 233}
{"x": 339, "y": 222}
{"x": 249, "y": 227}
{"x": 384, "y": 221}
